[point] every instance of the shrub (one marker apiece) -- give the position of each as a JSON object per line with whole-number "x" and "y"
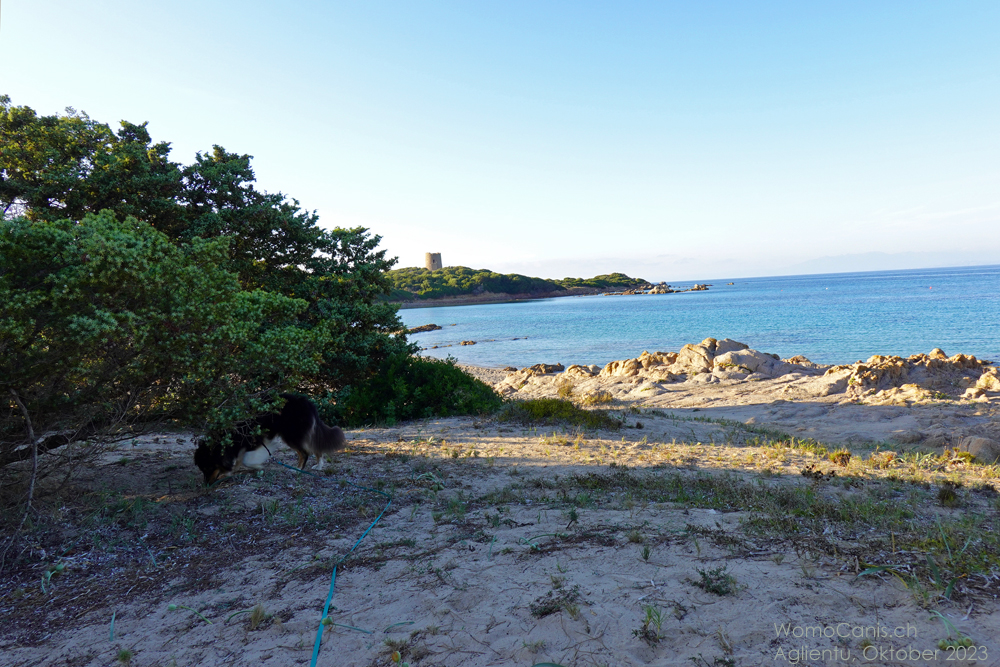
{"x": 599, "y": 397}
{"x": 547, "y": 411}
{"x": 409, "y": 387}
{"x": 107, "y": 325}
{"x": 68, "y": 166}
{"x": 565, "y": 390}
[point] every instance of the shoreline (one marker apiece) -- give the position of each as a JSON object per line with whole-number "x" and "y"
{"x": 500, "y": 297}
{"x": 934, "y": 400}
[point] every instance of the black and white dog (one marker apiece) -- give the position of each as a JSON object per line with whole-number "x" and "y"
{"x": 297, "y": 424}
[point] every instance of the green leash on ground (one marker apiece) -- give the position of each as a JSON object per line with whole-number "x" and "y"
{"x": 333, "y": 578}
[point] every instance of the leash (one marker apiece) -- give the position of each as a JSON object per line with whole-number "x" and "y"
{"x": 324, "y": 620}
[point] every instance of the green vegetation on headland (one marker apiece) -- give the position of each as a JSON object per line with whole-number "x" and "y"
{"x": 417, "y": 283}
{"x": 137, "y": 292}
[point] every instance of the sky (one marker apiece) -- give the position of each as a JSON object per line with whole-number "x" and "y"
{"x": 667, "y": 140}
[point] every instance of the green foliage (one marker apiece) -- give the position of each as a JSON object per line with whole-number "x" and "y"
{"x": 412, "y": 283}
{"x": 408, "y": 387}
{"x": 66, "y": 166}
{"x": 58, "y": 167}
{"x": 717, "y": 580}
{"x": 605, "y": 281}
{"x": 547, "y": 411}
{"x": 105, "y": 323}
{"x": 460, "y": 280}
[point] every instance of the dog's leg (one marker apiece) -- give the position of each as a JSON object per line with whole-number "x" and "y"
{"x": 319, "y": 466}
{"x": 303, "y": 458}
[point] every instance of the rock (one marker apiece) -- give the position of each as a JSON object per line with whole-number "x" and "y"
{"x": 984, "y": 449}
{"x": 508, "y": 369}
{"x": 727, "y": 345}
{"x": 902, "y": 395}
{"x": 932, "y": 371}
{"x": 625, "y": 367}
{"x": 468, "y": 342}
{"x": 426, "y": 327}
{"x": 989, "y": 380}
{"x": 752, "y": 361}
{"x": 937, "y": 353}
{"x": 936, "y": 440}
{"x": 832, "y": 383}
{"x": 656, "y": 359}
{"x": 693, "y": 359}
{"x": 544, "y": 369}
{"x": 973, "y": 393}
{"x": 907, "y": 437}
{"x": 580, "y": 371}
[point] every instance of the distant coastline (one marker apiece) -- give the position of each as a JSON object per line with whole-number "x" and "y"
{"x": 415, "y": 287}
{"x": 490, "y": 297}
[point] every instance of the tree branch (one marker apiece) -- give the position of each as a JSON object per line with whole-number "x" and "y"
{"x": 34, "y": 451}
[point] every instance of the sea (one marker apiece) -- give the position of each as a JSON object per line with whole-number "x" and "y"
{"x": 830, "y": 318}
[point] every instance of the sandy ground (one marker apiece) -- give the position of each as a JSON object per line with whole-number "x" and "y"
{"x": 508, "y": 544}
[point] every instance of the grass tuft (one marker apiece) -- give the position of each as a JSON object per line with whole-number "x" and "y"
{"x": 718, "y": 581}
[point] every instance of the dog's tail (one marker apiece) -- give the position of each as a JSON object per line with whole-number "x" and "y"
{"x": 331, "y": 438}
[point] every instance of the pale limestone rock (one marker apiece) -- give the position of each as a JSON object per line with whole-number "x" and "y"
{"x": 989, "y": 380}
{"x": 579, "y": 371}
{"x": 902, "y": 395}
{"x": 543, "y": 369}
{"x": 694, "y": 359}
{"x": 727, "y": 345}
{"x": 661, "y": 374}
{"x": 623, "y": 368}
{"x": 974, "y": 393}
{"x": 752, "y": 361}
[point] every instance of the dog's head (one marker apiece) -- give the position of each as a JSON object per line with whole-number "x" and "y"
{"x": 212, "y": 462}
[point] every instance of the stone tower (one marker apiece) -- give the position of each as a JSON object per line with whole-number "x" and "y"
{"x": 432, "y": 260}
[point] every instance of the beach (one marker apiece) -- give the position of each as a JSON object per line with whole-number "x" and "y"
{"x": 729, "y": 497}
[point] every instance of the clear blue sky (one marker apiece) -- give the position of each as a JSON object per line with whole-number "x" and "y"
{"x": 668, "y": 140}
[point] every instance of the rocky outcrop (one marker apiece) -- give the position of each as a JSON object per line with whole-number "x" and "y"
{"x": 917, "y": 377}
{"x": 426, "y": 327}
{"x": 519, "y": 379}
{"x": 881, "y": 379}
{"x": 710, "y": 360}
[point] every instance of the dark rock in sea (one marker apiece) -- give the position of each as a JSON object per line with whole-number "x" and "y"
{"x": 468, "y": 342}
{"x": 426, "y": 327}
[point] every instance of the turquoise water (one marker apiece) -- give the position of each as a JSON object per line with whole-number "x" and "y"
{"x": 833, "y": 318}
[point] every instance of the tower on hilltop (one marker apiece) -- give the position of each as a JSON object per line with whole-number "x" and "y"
{"x": 432, "y": 260}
